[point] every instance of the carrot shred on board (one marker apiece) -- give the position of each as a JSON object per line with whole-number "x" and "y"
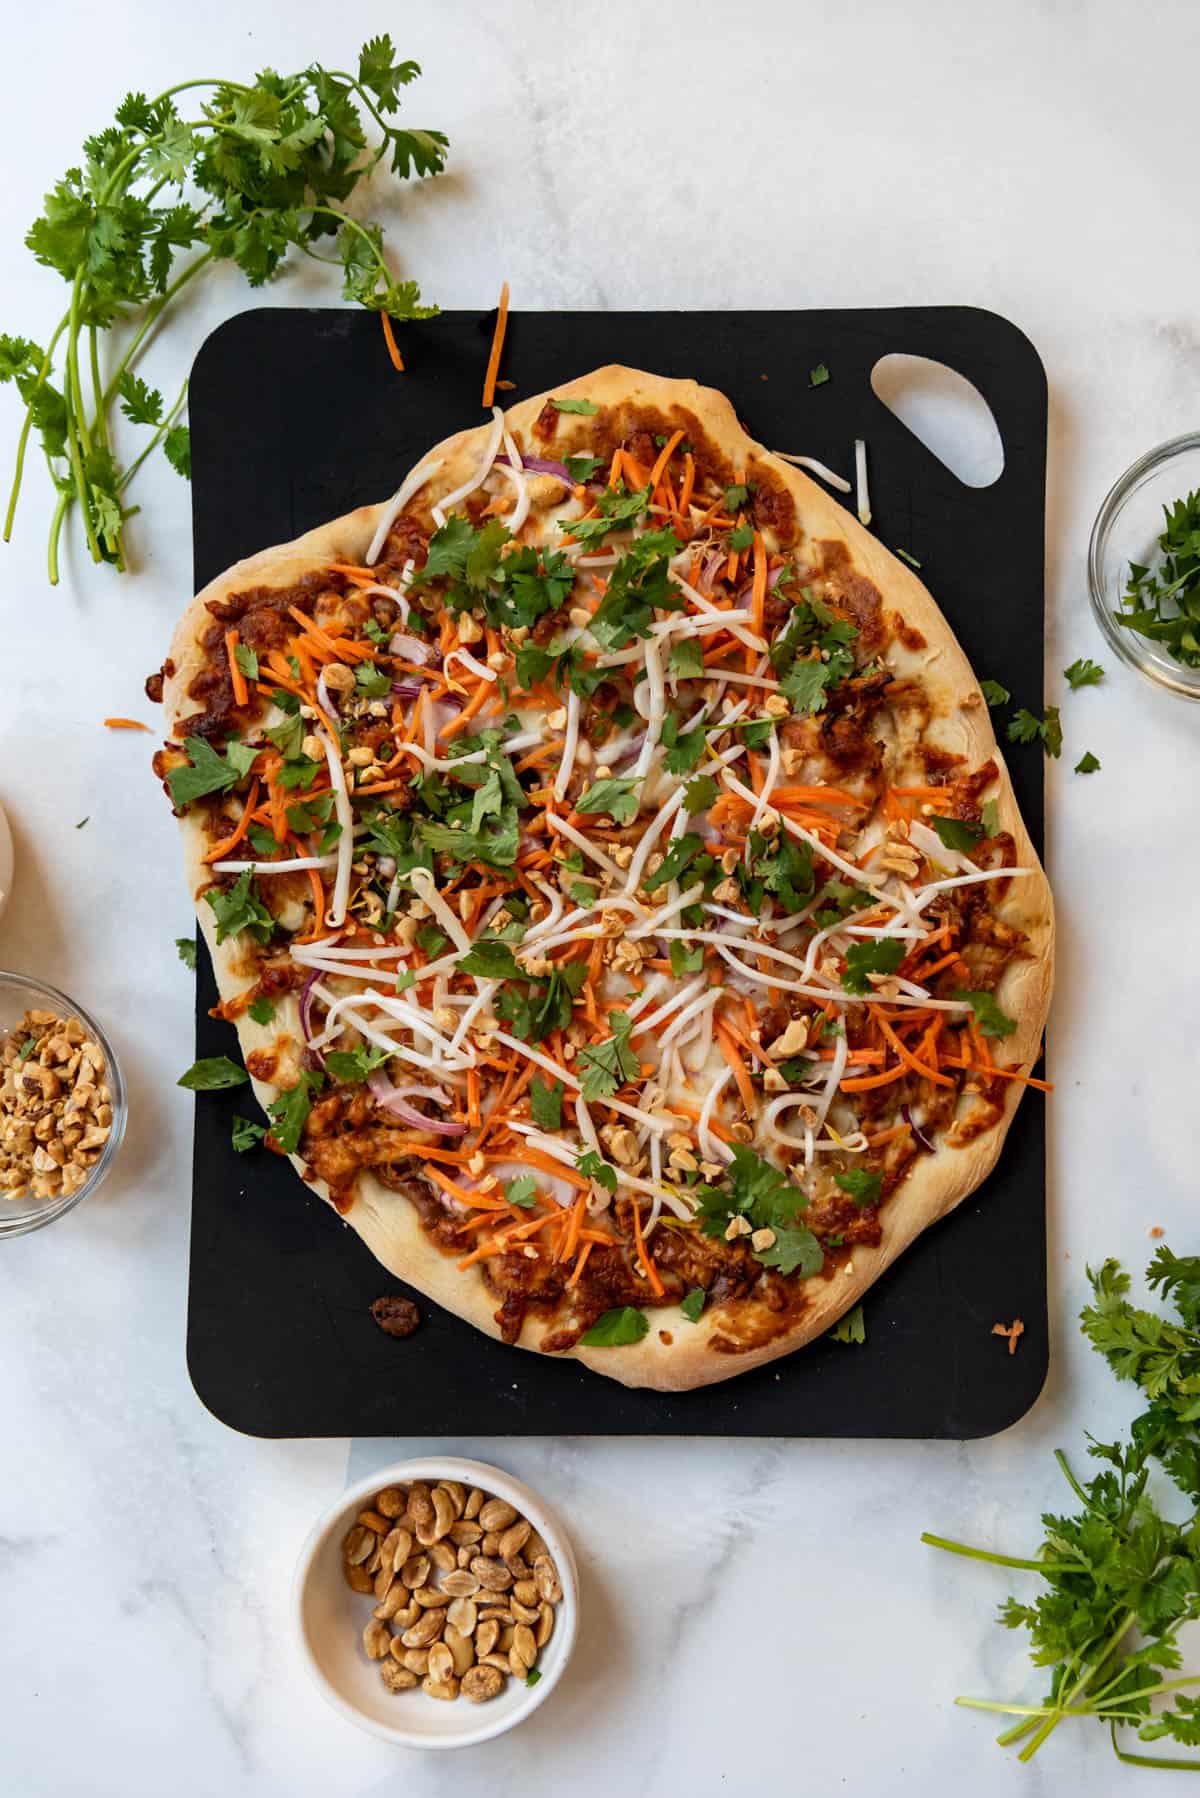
{"x": 125, "y": 724}
{"x": 493, "y": 361}
{"x": 1013, "y": 1332}
{"x": 239, "y": 829}
{"x": 393, "y": 348}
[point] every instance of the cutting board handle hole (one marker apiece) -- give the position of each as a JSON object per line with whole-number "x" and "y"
{"x": 946, "y": 412}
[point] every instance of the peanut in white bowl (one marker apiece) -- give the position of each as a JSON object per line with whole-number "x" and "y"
{"x": 329, "y": 1619}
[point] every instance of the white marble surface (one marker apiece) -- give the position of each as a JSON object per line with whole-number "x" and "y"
{"x": 758, "y": 1613}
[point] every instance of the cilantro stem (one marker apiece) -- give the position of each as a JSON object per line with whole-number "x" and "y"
{"x": 56, "y": 524}
{"x": 23, "y": 439}
{"x": 157, "y": 438}
{"x": 982, "y": 1554}
{"x": 1150, "y": 1760}
{"x": 154, "y": 313}
{"x": 76, "y": 460}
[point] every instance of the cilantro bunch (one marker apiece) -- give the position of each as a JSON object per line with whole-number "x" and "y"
{"x": 267, "y": 167}
{"x": 1121, "y": 1578}
{"x": 1162, "y": 603}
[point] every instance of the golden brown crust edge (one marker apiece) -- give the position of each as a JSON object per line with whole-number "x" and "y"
{"x": 388, "y": 1223}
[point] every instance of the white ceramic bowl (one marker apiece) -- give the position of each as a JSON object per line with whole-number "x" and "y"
{"x": 329, "y": 1620}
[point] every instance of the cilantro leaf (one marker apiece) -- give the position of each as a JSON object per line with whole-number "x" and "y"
{"x": 247, "y": 660}
{"x": 239, "y": 908}
{"x": 639, "y": 586}
{"x": 616, "y": 799}
{"x": 957, "y": 833}
{"x": 352, "y": 1066}
{"x": 863, "y": 1186}
{"x": 685, "y": 960}
{"x": 581, "y": 468}
{"x": 545, "y": 1103}
{"x": 491, "y": 960}
{"x": 1026, "y": 727}
{"x": 818, "y": 376}
{"x": 207, "y": 772}
{"x": 988, "y": 1015}
{"x": 683, "y": 752}
{"x": 700, "y": 794}
{"x": 142, "y": 405}
{"x": 522, "y": 1191}
{"x": 262, "y": 1011}
{"x": 372, "y": 680}
{"x": 1083, "y": 673}
{"x": 608, "y": 1065}
{"x": 692, "y": 1304}
{"x": 741, "y": 537}
{"x": 736, "y": 497}
{"x": 594, "y": 1167}
{"x": 795, "y": 1250}
{"x": 994, "y": 693}
{"x": 761, "y": 1193}
{"x": 617, "y": 510}
{"x": 805, "y": 686}
{"x": 212, "y": 1074}
{"x": 989, "y": 817}
{"x": 879, "y": 955}
{"x": 616, "y": 1328}
{"x": 246, "y": 1135}
{"x": 186, "y": 946}
{"x": 289, "y": 1112}
{"x": 687, "y": 658}
{"x": 1087, "y": 763}
{"x": 851, "y": 1328}
{"x": 586, "y": 408}
{"x": 682, "y": 852}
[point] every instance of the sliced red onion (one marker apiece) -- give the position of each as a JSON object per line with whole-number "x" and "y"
{"x": 541, "y": 465}
{"x": 392, "y": 1099}
{"x": 411, "y": 648}
{"x": 407, "y": 689}
{"x": 916, "y": 1129}
{"x": 306, "y": 1014}
{"x": 631, "y": 753}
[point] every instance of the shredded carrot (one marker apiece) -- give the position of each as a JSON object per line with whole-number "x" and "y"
{"x": 870, "y": 1081}
{"x": 366, "y": 576}
{"x": 571, "y": 1237}
{"x": 493, "y": 361}
{"x": 124, "y": 724}
{"x": 474, "y": 1116}
{"x": 664, "y": 456}
{"x": 1043, "y": 1086}
{"x": 732, "y": 1054}
{"x": 908, "y": 1058}
{"x": 584, "y": 1252}
{"x": 240, "y": 693}
{"x": 478, "y": 1201}
{"x": 534, "y": 1158}
{"x": 477, "y": 700}
{"x": 390, "y": 339}
{"x": 240, "y": 828}
{"x": 689, "y": 482}
{"x": 311, "y": 628}
{"x": 651, "y": 1272}
{"x": 876, "y": 1142}
{"x": 758, "y": 593}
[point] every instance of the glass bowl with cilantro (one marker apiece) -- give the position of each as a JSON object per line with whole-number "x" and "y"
{"x": 62, "y": 1104}
{"x": 1144, "y": 566}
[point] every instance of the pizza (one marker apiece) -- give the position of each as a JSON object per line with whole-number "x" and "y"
{"x": 608, "y": 864}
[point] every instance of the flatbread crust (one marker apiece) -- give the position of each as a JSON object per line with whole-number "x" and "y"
{"x": 675, "y": 1355}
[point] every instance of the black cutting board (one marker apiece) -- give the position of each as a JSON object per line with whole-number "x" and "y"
{"x": 296, "y": 417}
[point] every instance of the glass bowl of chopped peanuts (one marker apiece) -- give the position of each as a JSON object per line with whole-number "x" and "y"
{"x": 62, "y": 1104}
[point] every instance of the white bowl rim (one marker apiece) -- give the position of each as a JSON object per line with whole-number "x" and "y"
{"x": 501, "y": 1485}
